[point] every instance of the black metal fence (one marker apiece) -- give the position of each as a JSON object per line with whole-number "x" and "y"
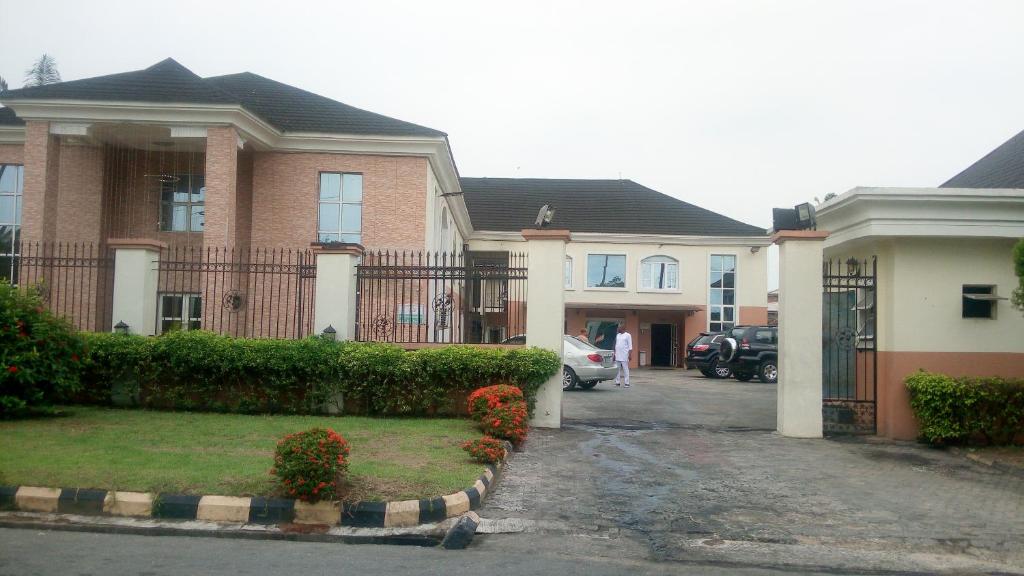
{"x": 75, "y": 280}
{"x": 255, "y": 293}
{"x": 849, "y": 365}
{"x": 441, "y": 297}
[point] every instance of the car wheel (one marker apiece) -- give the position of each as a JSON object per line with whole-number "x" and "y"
{"x": 743, "y": 376}
{"x": 569, "y": 379}
{"x": 720, "y": 370}
{"x": 586, "y": 385}
{"x": 768, "y": 372}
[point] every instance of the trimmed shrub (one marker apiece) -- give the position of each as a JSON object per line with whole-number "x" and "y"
{"x": 485, "y": 399}
{"x": 40, "y": 355}
{"x": 966, "y": 409}
{"x": 201, "y": 371}
{"x": 309, "y": 464}
{"x": 486, "y": 450}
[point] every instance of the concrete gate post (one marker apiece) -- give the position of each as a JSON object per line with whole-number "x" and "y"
{"x": 335, "y": 289}
{"x": 799, "y": 391}
{"x": 136, "y": 274}
{"x": 545, "y": 314}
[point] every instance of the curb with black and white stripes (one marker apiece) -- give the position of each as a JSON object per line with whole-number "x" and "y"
{"x": 245, "y": 510}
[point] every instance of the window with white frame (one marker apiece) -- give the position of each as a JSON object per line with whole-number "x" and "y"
{"x": 183, "y": 203}
{"x": 659, "y": 273}
{"x": 180, "y": 312}
{"x": 606, "y": 271}
{"x": 722, "y": 293}
{"x": 340, "y": 217}
{"x": 568, "y": 271}
{"x": 12, "y": 178}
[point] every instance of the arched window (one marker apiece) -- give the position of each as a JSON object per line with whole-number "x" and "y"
{"x": 659, "y": 273}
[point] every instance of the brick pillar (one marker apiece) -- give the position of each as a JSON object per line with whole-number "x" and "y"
{"x": 545, "y": 314}
{"x": 221, "y": 187}
{"x": 42, "y": 162}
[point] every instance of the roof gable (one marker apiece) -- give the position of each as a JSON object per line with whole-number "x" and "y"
{"x": 1000, "y": 168}
{"x": 599, "y": 206}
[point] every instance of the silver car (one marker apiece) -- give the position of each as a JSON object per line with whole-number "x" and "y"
{"x": 585, "y": 364}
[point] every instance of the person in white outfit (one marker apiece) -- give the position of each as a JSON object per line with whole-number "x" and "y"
{"x": 623, "y": 354}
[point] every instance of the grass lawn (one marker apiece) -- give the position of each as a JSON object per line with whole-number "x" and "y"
{"x": 228, "y": 454}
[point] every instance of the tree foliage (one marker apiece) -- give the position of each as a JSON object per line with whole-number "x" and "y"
{"x": 43, "y": 71}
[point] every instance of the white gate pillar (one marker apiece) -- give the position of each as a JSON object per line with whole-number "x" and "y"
{"x": 545, "y": 314}
{"x": 799, "y": 390}
{"x": 136, "y": 271}
{"x": 335, "y": 289}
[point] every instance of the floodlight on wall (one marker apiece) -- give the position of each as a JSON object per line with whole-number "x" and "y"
{"x": 545, "y": 216}
{"x": 805, "y": 215}
{"x": 800, "y": 217}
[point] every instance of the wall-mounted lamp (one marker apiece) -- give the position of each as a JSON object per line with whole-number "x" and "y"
{"x": 755, "y": 249}
{"x": 330, "y": 333}
{"x": 852, "y": 267}
{"x": 121, "y": 327}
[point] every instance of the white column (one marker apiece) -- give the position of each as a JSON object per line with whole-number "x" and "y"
{"x": 135, "y": 284}
{"x": 799, "y": 389}
{"x": 335, "y": 300}
{"x": 545, "y": 314}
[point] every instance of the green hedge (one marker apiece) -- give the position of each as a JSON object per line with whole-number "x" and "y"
{"x": 960, "y": 410}
{"x": 40, "y": 355}
{"x": 206, "y": 372}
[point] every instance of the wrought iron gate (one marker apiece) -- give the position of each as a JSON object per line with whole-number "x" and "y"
{"x": 848, "y": 364}
{"x": 449, "y": 298}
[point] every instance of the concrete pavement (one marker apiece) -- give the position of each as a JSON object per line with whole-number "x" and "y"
{"x": 680, "y": 468}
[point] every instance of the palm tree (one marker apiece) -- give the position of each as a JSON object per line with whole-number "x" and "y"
{"x": 3, "y": 84}
{"x": 44, "y": 71}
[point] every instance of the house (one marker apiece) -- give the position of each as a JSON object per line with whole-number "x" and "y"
{"x": 232, "y": 178}
{"x": 664, "y": 267}
{"x": 942, "y": 274}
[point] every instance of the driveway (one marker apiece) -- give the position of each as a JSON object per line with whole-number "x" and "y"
{"x": 682, "y": 469}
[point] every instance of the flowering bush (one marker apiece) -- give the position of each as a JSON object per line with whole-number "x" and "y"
{"x": 40, "y": 355}
{"x": 309, "y": 464}
{"x": 508, "y": 422}
{"x": 486, "y": 450}
{"x": 485, "y": 399}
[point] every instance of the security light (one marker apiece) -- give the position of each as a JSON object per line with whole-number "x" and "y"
{"x": 805, "y": 215}
{"x": 545, "y": 216}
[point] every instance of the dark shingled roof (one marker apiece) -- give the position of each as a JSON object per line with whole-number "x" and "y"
{"x": 609, "y": 206}
{"x": 285, "y": 107}
{"x": 1000, "y": 168}
{"x": 294, "y": 110}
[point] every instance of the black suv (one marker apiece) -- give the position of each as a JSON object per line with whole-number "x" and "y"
{"x": 702, "y": 354}
{"x": 751, "y": 351}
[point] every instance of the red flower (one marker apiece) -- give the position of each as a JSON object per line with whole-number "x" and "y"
{"x": 74, "y": 357}
{"x": 12, "y": 369}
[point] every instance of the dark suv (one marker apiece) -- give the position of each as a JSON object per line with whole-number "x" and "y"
{"x": 751, "y": 351}
{"x": 702, "y": 354}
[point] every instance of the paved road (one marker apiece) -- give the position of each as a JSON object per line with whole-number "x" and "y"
{"x": 677, "y": 475}
{"x": 684, "y": 469}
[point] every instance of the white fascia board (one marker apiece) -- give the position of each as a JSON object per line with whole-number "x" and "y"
{"x": 252, "y": 128}
{"x": 868, "y": 213}
{"x": 638, "y": 239}
{"x": 12, "y": 134}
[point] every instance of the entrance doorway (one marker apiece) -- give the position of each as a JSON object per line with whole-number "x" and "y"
{"x": 661, "y": 344}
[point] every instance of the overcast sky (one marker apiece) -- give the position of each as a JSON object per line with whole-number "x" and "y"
{"x": 736, "y": 106}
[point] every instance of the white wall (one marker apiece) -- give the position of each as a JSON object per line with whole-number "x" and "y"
{"x": 752, "y": 274}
